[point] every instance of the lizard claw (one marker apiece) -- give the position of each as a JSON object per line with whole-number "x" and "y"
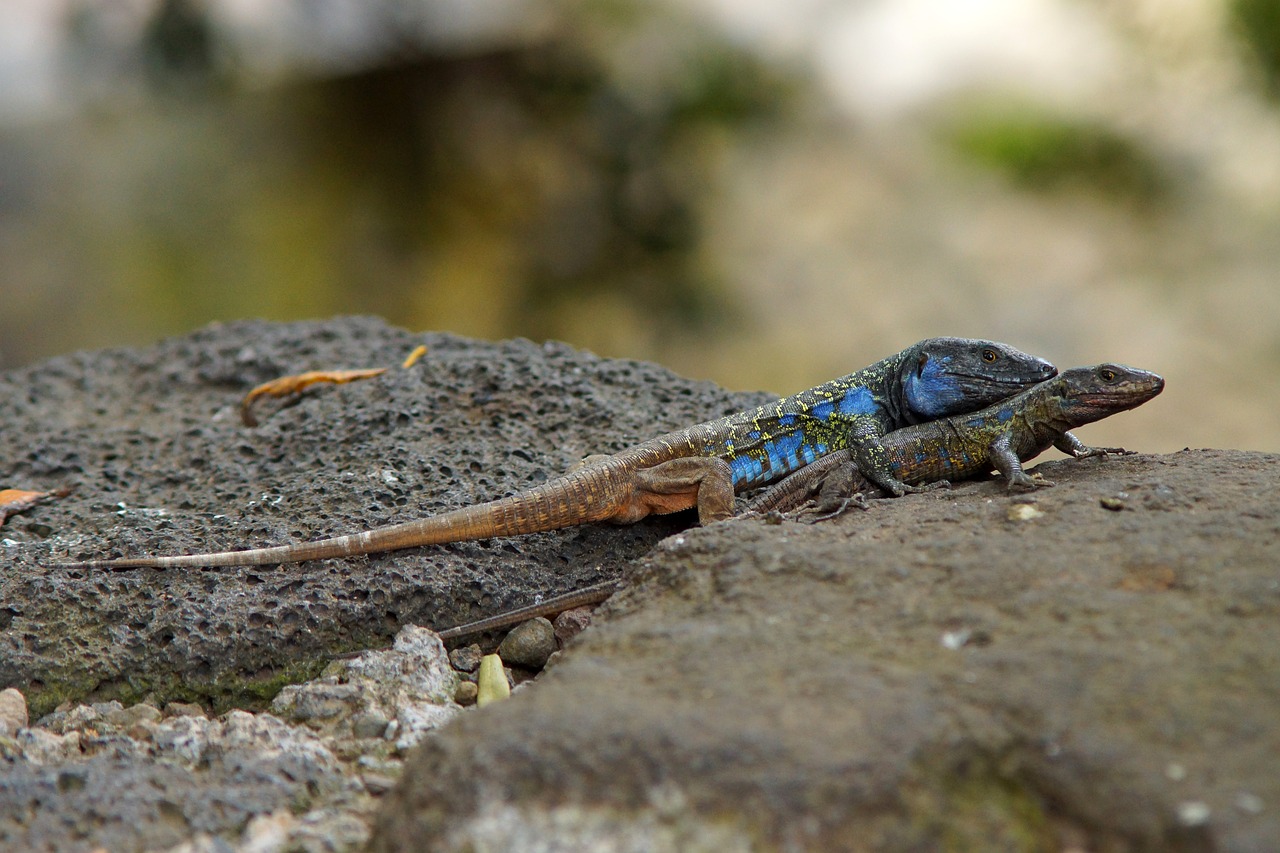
{"x": 1105, "y": 451}
{"x": 825, "y": 511}
{"x": 1024, "y": 481}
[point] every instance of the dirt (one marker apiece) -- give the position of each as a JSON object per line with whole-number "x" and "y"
{"x": 1093, "y": 666}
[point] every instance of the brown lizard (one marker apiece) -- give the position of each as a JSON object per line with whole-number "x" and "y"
{"x": 704, "y": 465}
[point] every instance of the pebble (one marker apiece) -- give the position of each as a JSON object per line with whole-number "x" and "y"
{"x": 344, "y": 732}
{"x": 571, "y": 623}
{"x": 1249, "y": 803}
{"x": 1023, "y": 512}
{"x": 376, "y": 783}
{"x": 13, "y": 712}
{"x": 466, "y": 693}
{"x": 133, "y": 720}
{"x": 1193, "y": 813}
{"x": 369, "y": 724}
{"x": 529, "y": 644}
{"x": 183, "y": 709}
{"x": 466, "y": 658}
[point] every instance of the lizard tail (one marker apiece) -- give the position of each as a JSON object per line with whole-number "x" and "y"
{"x": 590, "y": 494}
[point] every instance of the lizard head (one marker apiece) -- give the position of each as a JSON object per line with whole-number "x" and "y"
{"x": 1104, "y": 389}
{"x": 954, "y": 376}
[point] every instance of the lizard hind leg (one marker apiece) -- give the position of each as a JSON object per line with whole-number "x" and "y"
{"x": 704, "y": 482}
{"x": 587, "y": 461}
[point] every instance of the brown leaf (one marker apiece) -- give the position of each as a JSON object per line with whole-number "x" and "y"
{"x": 17, "y": 500}
{"x": 412, "y": 358}
{"x": 298, "y": 383}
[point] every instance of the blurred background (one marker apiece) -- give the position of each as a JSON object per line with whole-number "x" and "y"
{"x": 764, "y": 193}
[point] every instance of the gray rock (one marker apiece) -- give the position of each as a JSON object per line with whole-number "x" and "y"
{"x": 152, "y": 440}
{"x": 183, "y": 709}
{"x": 135, "y": 718}
{"x": 13, "y": 712}
{"x": 529, "y": 644}
{"x": 788, "y": 686}
{"x": 466, "y": 658}
{"x": 919, "y": 675}
{"x": 571, "y": 623}
{"x": 369, "y": 724}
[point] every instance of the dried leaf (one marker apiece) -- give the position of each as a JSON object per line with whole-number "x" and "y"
{"x": 413, "y": 357}
{"x": 286, "y": 385}
{"x": 17, "y": 500}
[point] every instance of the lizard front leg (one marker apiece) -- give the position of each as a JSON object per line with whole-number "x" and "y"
{"x": 1007, "y": 463}
{"x": 1073, "y": 446}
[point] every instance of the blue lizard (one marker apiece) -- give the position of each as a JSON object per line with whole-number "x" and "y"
{"x": 705, "y": 465}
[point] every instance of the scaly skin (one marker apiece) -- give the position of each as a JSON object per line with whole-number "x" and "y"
{"x": 1002, "y": 436}
{"x": 706, "y": 464}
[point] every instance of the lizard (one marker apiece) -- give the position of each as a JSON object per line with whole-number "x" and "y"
{"x": 1002, "y": 436}
{"x": 704, "y": 465}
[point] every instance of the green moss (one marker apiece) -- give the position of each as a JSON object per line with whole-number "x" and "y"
{"x": 1041, "y": 151}
{"x": 969, "y": 804}
{"x": 222, "y": 693}
{"x": 1256, "y": 23}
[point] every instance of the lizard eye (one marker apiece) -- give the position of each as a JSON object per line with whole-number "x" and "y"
{"x": 1107, "y": 374}
{"x": 989, "y": 356}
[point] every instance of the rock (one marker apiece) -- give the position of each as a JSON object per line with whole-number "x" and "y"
{"x": 466, "y": 658}
{"x": 466, "y": 693}
{"x": 571, "y": 623}
{"x": 918, "y": 675}
{"x": 322, "y": 464}
{"x": 183, "y": 709}
{"x": 135, "y": 719}
{"x": 13, "y": 712}
{"x": 321, "y": 703}
{"x": 814, "y": 703}
{"x": 529, "y": 644}
{"x": 369, "y": 724}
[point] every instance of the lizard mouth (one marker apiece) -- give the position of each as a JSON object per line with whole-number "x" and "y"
{"x": 1136, "y": 392}
{"x": 1010, "y": 381}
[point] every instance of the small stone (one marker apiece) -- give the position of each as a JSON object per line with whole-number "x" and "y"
{"x": 529, "y": 644}
{"x": 317, "y": 703}
{"x": 370, "y": 724}
{"x": 466, "y": 693}
{"x": 1115, "y": 504}
{"x": 133, "y": 717}
{"x": 268, "y": 831}
{"x": 376, "y": 783}
{"x": 13, "y": 712}
{"x": 1175, "y": 772}
{"x": 466, "y": 659}
{"x": 1162, "y": 497}
{"x": 40, "y": 746}
{"x": 571, "y": 623}
{"x": 183, "y": 709}
{"x": 1249, "y": 803}
{"x": 1023, "y": 512}
{"x": 1193, "y": 813}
